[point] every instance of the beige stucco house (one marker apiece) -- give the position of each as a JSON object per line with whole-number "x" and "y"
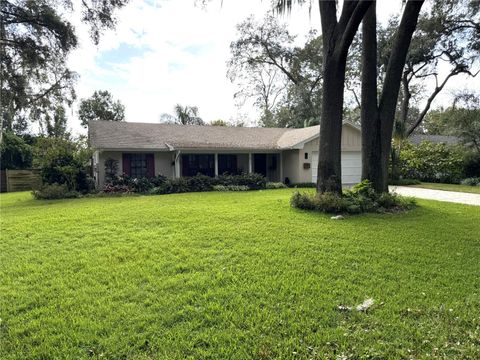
{"x": 281, "y": 154}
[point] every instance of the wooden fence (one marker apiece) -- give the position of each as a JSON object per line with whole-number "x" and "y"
{"x": 19, "y": 180}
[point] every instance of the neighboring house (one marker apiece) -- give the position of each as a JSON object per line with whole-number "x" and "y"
{"x": 146, "y": 150}
{"x": 416, "y": 139}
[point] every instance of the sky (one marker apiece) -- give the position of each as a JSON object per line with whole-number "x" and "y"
{"x": 164, "y": 52}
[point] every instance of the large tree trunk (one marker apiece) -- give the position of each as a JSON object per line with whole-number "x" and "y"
{"x": 377, "y": 153}
{"x": 371, "y": 142}
{"x": 329, "y": 158}
{"x": 337, "y": 37}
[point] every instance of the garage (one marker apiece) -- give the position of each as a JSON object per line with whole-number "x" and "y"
{"x": 351, "y": 166}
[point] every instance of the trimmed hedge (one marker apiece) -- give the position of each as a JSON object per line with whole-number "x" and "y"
{"x": 199, "y": 183}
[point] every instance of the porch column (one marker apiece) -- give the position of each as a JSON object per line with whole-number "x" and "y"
{"x": 216, "y": 164}
{"x": 250, "y": 165}
{"x": 177, "y": 164}
{"x": 281, "y": 166}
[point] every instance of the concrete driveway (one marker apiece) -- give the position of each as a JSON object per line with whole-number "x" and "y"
{"x": 440, "y": 195}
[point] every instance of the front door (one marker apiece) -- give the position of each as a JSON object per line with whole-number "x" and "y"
{"x": 260, "y": 164}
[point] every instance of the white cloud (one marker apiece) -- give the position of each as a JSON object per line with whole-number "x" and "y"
{"x": 188, "y": 48}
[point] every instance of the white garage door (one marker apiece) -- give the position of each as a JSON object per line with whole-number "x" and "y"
{"x": 351, "y": 166}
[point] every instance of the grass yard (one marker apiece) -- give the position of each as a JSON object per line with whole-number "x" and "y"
{"x": 450, "y": 187}
{"x": 235, "y": 276}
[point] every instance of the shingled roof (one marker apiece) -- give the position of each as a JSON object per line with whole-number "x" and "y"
{"x": 437, "y": 139}
{"x": 111, "y": 135}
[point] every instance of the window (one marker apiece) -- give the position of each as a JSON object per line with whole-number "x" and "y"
{"x": 193, "y": 164}
{"x": 138, "y": 165}
{"x": 306, "y": 156}
{"x": 227, "y": 164}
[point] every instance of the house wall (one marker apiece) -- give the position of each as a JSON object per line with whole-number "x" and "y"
{"x": 290, "y": 160}
{"x": 163, "y": 164}
{"x": 102, "y": 157}
{"x": 293, "y": 160}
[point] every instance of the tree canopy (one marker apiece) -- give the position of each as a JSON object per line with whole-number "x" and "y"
{"x": 183, "y": 115}
{"x": 283, "y": 80}
{"x": 35, "y": 40}
{"x": 462, "y": 119}
{"x": 100, "y": 106}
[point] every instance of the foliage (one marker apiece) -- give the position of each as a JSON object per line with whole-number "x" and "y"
{"x": 56, "y": 126}
{"x": 198, "y": 183}
{"x": 15, "y": 152}
{"x": 111, "y": 169}
{"x": 253, "y": 181}
{"x": 462, "y": 120}
{"x": 36, "y": 40}
{"x": 404, "y": 182}
{"x": 302, "y": 185}
{"x": 431, "y": 162}
{"x": 100, "y": 106}
{"x": 219, "y": 122}
{"x": 54, "y": 191}
{"x": 63, "y": 161}
{"x": 230, "y": 188}
{"x": 275, "y": 185}
{"x": 184, "y": 115}
{"x": 361, "y": 198}
{"x": 471, "y": 181}
{"x": 283, "y": 80}
{"x": 471, "y": 164}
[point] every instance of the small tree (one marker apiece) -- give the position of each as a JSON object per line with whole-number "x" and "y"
{"x": 63, "y": 161}
{"x": 111, "y": 169}
{"x": 101, "y": 106}
{"x": 15, "y": 153}
{"x": 184, "y": 115}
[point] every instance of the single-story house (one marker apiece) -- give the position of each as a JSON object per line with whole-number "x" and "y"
{"x": 148, "y": 149}
{"x": 416, "y": 139}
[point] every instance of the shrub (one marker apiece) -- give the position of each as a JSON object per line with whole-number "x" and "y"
{"x": 158, "y": 180}
{"x": 54, "y": 191}
{"x": 471, "y": 181}
{"x": 62, "y": 161}
{"x": 405, "y": 182}
{"x": 141, "y": 185}
{"x": 253, "y": 181}
{"x": 162, "y": 185}
{"x": 15, "y": 152}
{"x": 471, "y": 165}
{"x": 431, "y": 162}
{"x": 117, "y": 189}
{"x": 111, "y": 169}
{"x": 275, "y": 185}
{"x": 200, "y": 183}
{"x": 302, "y": 185}
{"x": 326, "y": 202}
{"x": 231, "y": 188}
{"x": 361, "y": 198}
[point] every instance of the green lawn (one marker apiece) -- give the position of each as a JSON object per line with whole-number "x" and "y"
{"x": 234, "y": 276}
{"x": 450, "y": 187}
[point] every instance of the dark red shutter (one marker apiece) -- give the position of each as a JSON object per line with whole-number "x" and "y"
{"x": 150, "y": 165}
{"x": 126, "y": 158}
